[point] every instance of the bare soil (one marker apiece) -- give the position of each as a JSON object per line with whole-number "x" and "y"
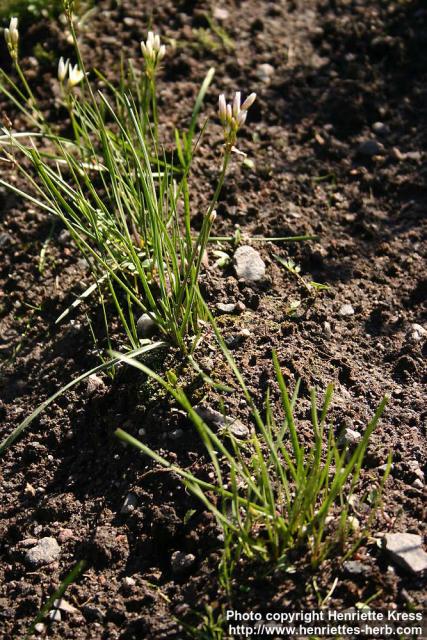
{"x": 339, "y": 67}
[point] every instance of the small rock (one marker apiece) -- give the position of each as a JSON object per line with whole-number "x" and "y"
{"x": 370, "y": 148}
{"x": 238, "y": 429}
{"x": 380, "y": 129}
{"x": 226, "y": 308}
{"x": 346, "y": 310}
{"x": 176, "y": 434}
{"x": 181, "y": 561}
{"x": 64, "y": 535}
{"x": 353, "y": 523}
{"x": 145, "y": 325}
{"x": 248, "y": 265}
{"x": 406, "y": 550}
{"x": 95, "y": 385}
{"x": 220, "y": 14}
{"x": 217, "y": 420}
{"x": 418, "y": 332}
{"x": 355, "y": 568}
{"x": 63, "y": 605}
{"x": 350, "y": 437}
{"x": 5, "y": 239}
{"x": 327, "y": 329}
{"x": 46, "y": 551}
{"x": 128, "y": 21}
{"x": 265, "y": 72}
{"x": 39, "y": 627}
{"x": 55, "y": 615}
{"x": 129, "y": 504}
{"x": 414, "y": 155}
{"x": 129, "y": 582}
{"x": 418, "y": 484}
{"x": 64, "y": 237}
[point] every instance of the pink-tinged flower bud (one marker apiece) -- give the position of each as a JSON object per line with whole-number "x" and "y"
{"x": 236, "y": 104}
{"x": 241, "y": 118}
{"x": 249, "y": 101}
{"x": 222, "y": 108}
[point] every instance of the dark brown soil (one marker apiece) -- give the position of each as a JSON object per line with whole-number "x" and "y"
{"x": 339, "y": 67}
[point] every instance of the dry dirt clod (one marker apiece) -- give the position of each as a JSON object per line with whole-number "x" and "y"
{"x": 181, "y": 561}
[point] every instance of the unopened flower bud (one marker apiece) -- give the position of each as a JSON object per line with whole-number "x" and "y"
{"x": 62, "y": 69}
{"x": 212, "y": 217}
{"x": 153, "y": 51}
{"x": 222, "y": 108}
{"x": 236, "y": 104}
{"x": 249, "y": 101}
{"x": 241, "y": 118}
{"x": 11, "y": 35}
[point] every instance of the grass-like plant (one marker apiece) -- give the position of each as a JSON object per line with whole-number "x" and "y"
{"x": 125, "y": 202}
{"x": 275, "y": 493}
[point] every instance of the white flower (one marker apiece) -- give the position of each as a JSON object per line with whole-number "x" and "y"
{"x": 152, "y": 50}
{"x": 62, "y": 69}
{"x": 75, "y": 75}
{"x": 11, "y": 34}
{"x": 233, "y": 115}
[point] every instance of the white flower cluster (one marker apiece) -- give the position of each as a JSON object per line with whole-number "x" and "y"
{"x": 233, "y": 115}
{"x": 152, "y": 50}
{"x": 75, "y": 75}
{"x": 11, "y": 35}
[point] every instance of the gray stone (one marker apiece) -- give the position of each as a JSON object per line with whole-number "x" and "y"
{"x": 181, "y": 561}
{"x": 47, "y": 550}
{"x": 220, "y": 14}
{"x": 370, "y": 148}
{"x": 55, "y": 615}
{"x": 129, "y": 504}
{"x": 355, "y": 568}
{"x": 145, "y": 325}
{"x": 63, "y": 605}
{"x": 40, "y": 627}
{"x": 95, "y": 385}
{"x": 380, "y": 129}
{"x": 226, "y": 307}
{"x": 238, "y": 429}
{"x": 64, "y": 237}
{"x": 350, "y": 437}
{"x": 248, "y": 265}
{"x": 406, "y": 550}
{"x": 346, "y": 310}
{"x": 129, "y": 582}
{"x": 418, "y": 332}
{"x": 265, "y": 72}
{"x": 216, "y": 420}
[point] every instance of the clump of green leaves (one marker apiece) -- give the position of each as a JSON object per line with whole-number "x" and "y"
{"x": 278, "y": 493}
{"x": 125, "y": 202}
